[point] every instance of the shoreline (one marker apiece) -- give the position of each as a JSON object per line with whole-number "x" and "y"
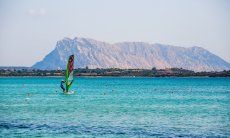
{"x": 116, "y": 76}
{"x": 114, "y": 72}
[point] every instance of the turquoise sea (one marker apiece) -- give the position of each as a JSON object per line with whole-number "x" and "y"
{"x": 115, "y": 107}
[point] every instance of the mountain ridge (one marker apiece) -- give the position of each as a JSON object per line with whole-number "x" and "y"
{"x": 98, "y": 54}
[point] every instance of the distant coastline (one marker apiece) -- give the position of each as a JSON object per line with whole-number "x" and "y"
{"x": 98, "y": 54}
{"x": 114, "y": 72}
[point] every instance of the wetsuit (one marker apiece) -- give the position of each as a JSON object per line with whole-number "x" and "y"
{"x": 63, "y": 88}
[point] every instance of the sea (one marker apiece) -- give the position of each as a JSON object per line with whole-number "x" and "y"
{"x": 115, "y": 107}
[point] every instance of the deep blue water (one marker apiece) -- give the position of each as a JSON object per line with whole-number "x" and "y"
{"x": 115, "y": 107}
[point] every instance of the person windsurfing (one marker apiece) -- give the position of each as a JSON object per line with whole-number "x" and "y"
{"x": 62, "y": 86}
{"x": 68, "y": 75}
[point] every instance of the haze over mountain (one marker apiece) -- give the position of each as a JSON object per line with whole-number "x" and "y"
{"x": 96, "y": 54}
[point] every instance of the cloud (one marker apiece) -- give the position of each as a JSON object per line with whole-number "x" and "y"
{"x": 37, "y": 12}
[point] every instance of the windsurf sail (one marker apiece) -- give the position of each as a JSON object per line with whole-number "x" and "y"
{"x": 69, "y": 72}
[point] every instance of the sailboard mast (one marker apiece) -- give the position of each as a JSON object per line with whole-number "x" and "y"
{"x": 69, "y": 72}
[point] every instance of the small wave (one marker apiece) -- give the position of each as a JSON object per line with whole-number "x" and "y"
{"x": 4, "y": 125}
{"x": 78, "y": 129}
{"x": 83, "y": 129}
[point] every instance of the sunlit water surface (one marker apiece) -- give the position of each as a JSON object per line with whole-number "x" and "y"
{"x": 115, "y": 107}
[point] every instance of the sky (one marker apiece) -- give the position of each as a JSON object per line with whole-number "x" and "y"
{"x": 29, "y": 29}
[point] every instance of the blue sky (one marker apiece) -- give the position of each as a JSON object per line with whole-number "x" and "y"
{"x": 30, "y": 29}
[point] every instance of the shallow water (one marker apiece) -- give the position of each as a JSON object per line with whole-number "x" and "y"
{"x": 115, "y": 107}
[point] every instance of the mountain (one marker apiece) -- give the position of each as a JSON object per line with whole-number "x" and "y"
{"x": 96, "y": 54}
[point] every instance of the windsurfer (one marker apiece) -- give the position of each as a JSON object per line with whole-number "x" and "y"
{"x": 62, "y": 86}
{"x": 65, "y": 84}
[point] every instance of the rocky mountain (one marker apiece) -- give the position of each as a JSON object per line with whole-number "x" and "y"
{"x": 96, "y": 54}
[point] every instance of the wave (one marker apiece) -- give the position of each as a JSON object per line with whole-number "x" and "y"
{"x": 79, "y": 129}
{"x": 94, "y": 130}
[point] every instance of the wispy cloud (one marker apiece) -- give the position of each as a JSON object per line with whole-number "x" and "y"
{"x": 37, "y": 12}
